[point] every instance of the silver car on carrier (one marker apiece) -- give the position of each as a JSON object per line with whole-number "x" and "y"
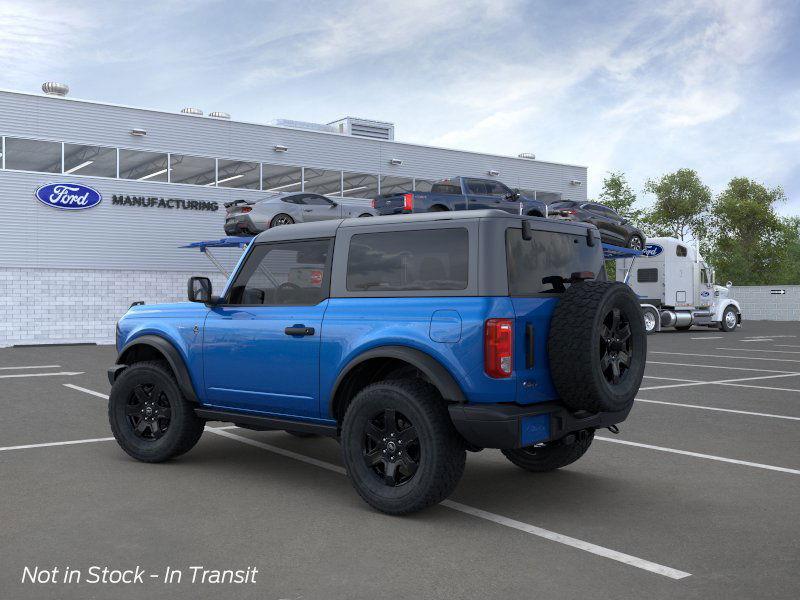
{"x": 249, "y": 217}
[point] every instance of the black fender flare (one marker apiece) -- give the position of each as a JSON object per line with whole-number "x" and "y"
{"x": 169, "y": 352}
{"x": 432, "y": 368}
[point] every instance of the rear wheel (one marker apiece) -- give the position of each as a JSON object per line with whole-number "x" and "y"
{"x": 400, "y": 448}
{"x": 635, "y": 243}
{"x": 149, "y": 416}
{"x": 281, "y": 219}
{"x": 552, "y": 455}
{"x": 729, "y": 320}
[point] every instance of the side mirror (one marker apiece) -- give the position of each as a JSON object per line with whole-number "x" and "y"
{"x": 729, "y": 285}
{"x": 199, "y": 289}
{"x": 334, "y": 204}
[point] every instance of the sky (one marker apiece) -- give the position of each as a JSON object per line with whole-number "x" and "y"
{"x": 639, "y": 87}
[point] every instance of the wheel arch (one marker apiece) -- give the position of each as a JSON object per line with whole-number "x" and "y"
{"x": 370, "y": 365}
{"x": 150, "y": 347}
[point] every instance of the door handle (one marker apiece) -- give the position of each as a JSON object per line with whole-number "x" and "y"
{"x": 299, "y": 330}
{"x": 307, "y": 209}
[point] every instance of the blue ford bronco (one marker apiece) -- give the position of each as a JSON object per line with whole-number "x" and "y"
{"x": 411, "y": 339}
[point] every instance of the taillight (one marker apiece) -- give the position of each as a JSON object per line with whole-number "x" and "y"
{"x": 408, "y": 202}
{"x": 569, "y": 212}
{"x": 246, "y": 209}
{"x": 498, "y": 348}
{"x": 372, "y": 202}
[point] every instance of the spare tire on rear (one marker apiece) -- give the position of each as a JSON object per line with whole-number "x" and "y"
{"x": 597, "y": 346}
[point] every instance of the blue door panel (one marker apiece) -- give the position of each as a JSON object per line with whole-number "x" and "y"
{"x": 533, "y": 318}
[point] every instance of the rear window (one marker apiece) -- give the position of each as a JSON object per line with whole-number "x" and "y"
{"x": 531, "y": 263}
{"x": 433, "y": 259}
{"x": 647, "y": 275}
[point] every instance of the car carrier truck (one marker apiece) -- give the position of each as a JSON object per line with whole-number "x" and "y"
{"x": 676, "y": 288}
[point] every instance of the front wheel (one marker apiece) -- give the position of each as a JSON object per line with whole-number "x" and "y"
{"x": 149, "y": 416}
{"x": 651, "y": 317}
{"x": 400, "y": 448}
{"x": 551, "y": 455}
{"x": 729, "y": 320}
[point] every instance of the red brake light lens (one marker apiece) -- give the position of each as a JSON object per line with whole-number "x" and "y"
{"x": 246, "y": 209}
{"x": 498, "y": 348}
{"x": 374, "y": 200}
{"x": 408, "y": 202}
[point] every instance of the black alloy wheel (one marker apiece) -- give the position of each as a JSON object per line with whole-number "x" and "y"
{"x": 615, "y": 346}
{"x": 391, "y": 447}
{"x": 281, "y": 219}
{"x": 148, "y": 411}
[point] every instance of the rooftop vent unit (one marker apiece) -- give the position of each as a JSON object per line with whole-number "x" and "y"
{"x": 527, "y": 155}
{"x": 376, "y": 130}
{"x": 219, "y": 115}
{"x": 51, "y": 88}
{"x": 303, "y": 125}
{"x": 192, "y": 111}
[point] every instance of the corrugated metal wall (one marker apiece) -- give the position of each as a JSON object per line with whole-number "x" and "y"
{"x": 122, "y": 237}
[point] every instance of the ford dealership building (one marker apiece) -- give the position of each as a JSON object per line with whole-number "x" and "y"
{"x": 97, "y": 199}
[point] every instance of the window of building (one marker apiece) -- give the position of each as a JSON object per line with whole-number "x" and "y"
{"x": 543, "y": 264}
{"x": 396, "y": 185}
{"x": 285, "y": 273}
{"x": 321, "y": 181}
{"x": 280, "y": 178}
{"x": 238, "y": 174}
{"x": 194, "y": 170}
{"x": 143, "y": 166}
{"x": 647, "y": 275}
{"x": 359, "y": 185}
{"x": 33, "y": 155}
{"x": 434, "y": 259}
{"x": 96, "y": 161}
{"x": 424, "y": 185}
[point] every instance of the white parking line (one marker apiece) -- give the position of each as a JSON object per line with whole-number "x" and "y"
{"x": 82, "y": 389}
{"x": 49, "y": 444}
{"x": 758, "y": 350}
{"x": 787, "y": 346}
{"x": 719, "y": 381}
{"x": 759, "y": 387}
{"x": 634, "y": 561}
{"x": 708, "y": 337}
{"x": 482, "y": 514}
{"x": 15, "y": 375}
{"x": 700, "y": 455}
{"x": 725, "y": 356}
{"x": 657, "y": 362}
{"x": 727, "y": 410}
{"x": 758, "y": 340}
{"x": 668, "y": 379}
{"x": 31, "y": 367}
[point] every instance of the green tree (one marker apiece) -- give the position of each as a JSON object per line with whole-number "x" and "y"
{"x": 750, "y": 243}
{"x": 617, "y": 194}
{"x": 681, "y": 205}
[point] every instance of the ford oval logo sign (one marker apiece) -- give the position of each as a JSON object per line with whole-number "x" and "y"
{"x": 68, "y": 196}
{"x": 652, "y": 250}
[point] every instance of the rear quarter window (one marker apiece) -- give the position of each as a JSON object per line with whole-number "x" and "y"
{"x": 549, "y": 254}
{"x": 431, "y": 259}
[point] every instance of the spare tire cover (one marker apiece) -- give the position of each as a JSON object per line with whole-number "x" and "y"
{"x": 597, "y": 346}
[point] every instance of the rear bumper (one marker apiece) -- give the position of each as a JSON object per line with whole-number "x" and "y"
{"x": 508, "y": 426}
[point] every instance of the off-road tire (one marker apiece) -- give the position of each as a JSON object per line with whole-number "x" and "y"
{"x": 575, "y": 346}
{"x": 184, "y": 429}
{"x": 441, "y": 451}
{"x": 550, "y": 456}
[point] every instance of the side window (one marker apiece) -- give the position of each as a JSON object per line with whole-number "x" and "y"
{"x": 647, "y": 275}
{"x": 704, "y": 276}
{"x": 299, "y": 199}
{"x": 445, "y": 186}
{"x": 284, "y": 273}
{"x": 433, "y": 259}
{"x": 476, "y": 186}
{"x": 681, "y": 251}
{"x": 315, "y": 200}
{"x": 495, "y": 188}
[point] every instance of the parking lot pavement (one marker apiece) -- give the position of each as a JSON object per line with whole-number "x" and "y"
{"x": 694, "y": 503}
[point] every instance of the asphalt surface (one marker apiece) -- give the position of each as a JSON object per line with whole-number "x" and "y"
{"x": 719, "y": 518}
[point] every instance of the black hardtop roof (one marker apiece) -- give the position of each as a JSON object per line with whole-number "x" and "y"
{"x": 321, "y": 229}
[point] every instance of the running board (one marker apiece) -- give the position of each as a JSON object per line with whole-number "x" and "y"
{"x": 259, "y": 423}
